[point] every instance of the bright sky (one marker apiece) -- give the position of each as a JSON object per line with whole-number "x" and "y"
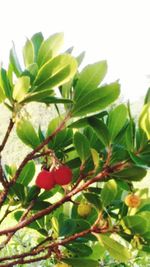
{"x": 115, "y": 30}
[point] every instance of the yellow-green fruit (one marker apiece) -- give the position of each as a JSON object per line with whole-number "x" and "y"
{"x": 84, "y": 209}
{"x": 62, "y": 264}
{"x": 132, "y": 201}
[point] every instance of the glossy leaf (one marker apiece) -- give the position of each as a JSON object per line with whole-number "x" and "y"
{"x": 81, "y": 250}
{"x": 37, "y": 40}
{"x": 56, "y": 72}
{"x": 21, "y": 88}
{"x": 32, "y": 193}
{"x": 82, "y": 146}
{"x": 144, "y": 119}
{"x": 116, "y": 250}
{"x": 117, "y": 120}
{"x": 19, "y": 190}
{"x": 80, "y": 123}
{"x": 54, "y": 124}
{"x": 37, "y": 96}
{"x": 80, "y": 58}
{"x": 6, "y": 84}
{"x": 101, "y": 130}
{"x": 147, "y": 97}
{"x": 90, "y": 77}
{"x": 136, "y": 224}
{"x": 2, "y": 94}
{"x": 27, "y": 134}
{"x": 67, "y": 227}
{"x": 133, "y": 173}
{"x": 15, "y": 62}
{"x": 28, "y": 53}
{"x": 109, "y": 192}
{"x": 96, "y": 100}
{"x": 95, "y": 157}
{"x": 94, "y": 199}
{"x": 27, "y": 173}
{"x": 50, "y": 48}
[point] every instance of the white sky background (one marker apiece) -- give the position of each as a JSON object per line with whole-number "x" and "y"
{"x": 115, "y": 30}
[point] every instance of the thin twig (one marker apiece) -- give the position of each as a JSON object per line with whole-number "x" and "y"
{"x": 10, "y": 126}
{"x": 10, "y": 235}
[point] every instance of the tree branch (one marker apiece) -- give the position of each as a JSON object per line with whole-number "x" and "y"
{"x": 51, "y": 247}
{"x": 10, "y": 235}
{"x": 48, "y": 210}
{"x": 4, "y": 193}
{"x": 10, "y": 126}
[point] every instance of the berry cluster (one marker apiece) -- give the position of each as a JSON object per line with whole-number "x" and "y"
{"x": 48, "y": 179}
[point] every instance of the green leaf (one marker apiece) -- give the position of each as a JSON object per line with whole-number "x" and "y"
{"x": 15, "y": 62}
{"x": 37, "y": 40}
{"x": 19, "y": 190}
{"x": 117, "y": 120}
{"x": 33, "y": 70}
{"x": 56, "y": 72}
{"x": 21, "y": 88}
{"x": 80, "y": 58}
{"x": 67, "y": 227}
{"x": 116, "y": 250}
{"x": 147, "y": 97}
{"x": 94, "y": 199}
{"x": 97, "y": 251}
{"x": 80, "y": 123}
{"x": 144, "y": 119}
{"x": 109, "y": 192}
{"x": 95, "y": 157}
{"x": 32, "y": 193}
{"x": 49, "y": 194}
{"x": 133, "y": 173}
{"x": 37, "y": 96}
{"x": 27, "y": 134}
{"x": 6, "y": 84}
{"x": 90, "y": 77}
{"x": 136, "y": 224}
{"x": 17, "y": 215}
{"x": 130, "y": 136}
{"x": 96, "y": 100}
{"x": 27, "y": 173}
{"x": 101, "y": 130}
{"x": 50, "y": 48}
{"x": 28, "y": 53}
{"x": 80, "y": 262}
{"x": 81, "y": 250}
{"x": 54, "y": 124}
{"x": 138, "y": 160}
{"x": 55, "y": 100}
{"x": 82, "y": 146}
{"x": 2, "y": 95}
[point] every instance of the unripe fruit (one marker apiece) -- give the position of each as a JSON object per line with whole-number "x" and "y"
{"x": 45, "y": 180}
{"x": 84, "y": 209}
{"x": 132, "y": 201}
{"x": 62, "y": 264}
{"x": 63, "y": 175}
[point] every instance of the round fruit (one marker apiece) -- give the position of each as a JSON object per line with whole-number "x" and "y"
{"x": 45, "y": 180}
{"x": 63, "y": 175}
{"x": 84, "y": 209}
{"x": 62, "y": 264}
{"x": 132, "y": 201}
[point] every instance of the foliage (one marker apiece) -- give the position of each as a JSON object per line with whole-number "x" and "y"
{"x": 104, "y": 150}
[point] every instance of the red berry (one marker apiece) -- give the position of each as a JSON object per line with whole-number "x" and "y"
{"x": 63, "y": 175}
{"x": 45, "y": 180}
